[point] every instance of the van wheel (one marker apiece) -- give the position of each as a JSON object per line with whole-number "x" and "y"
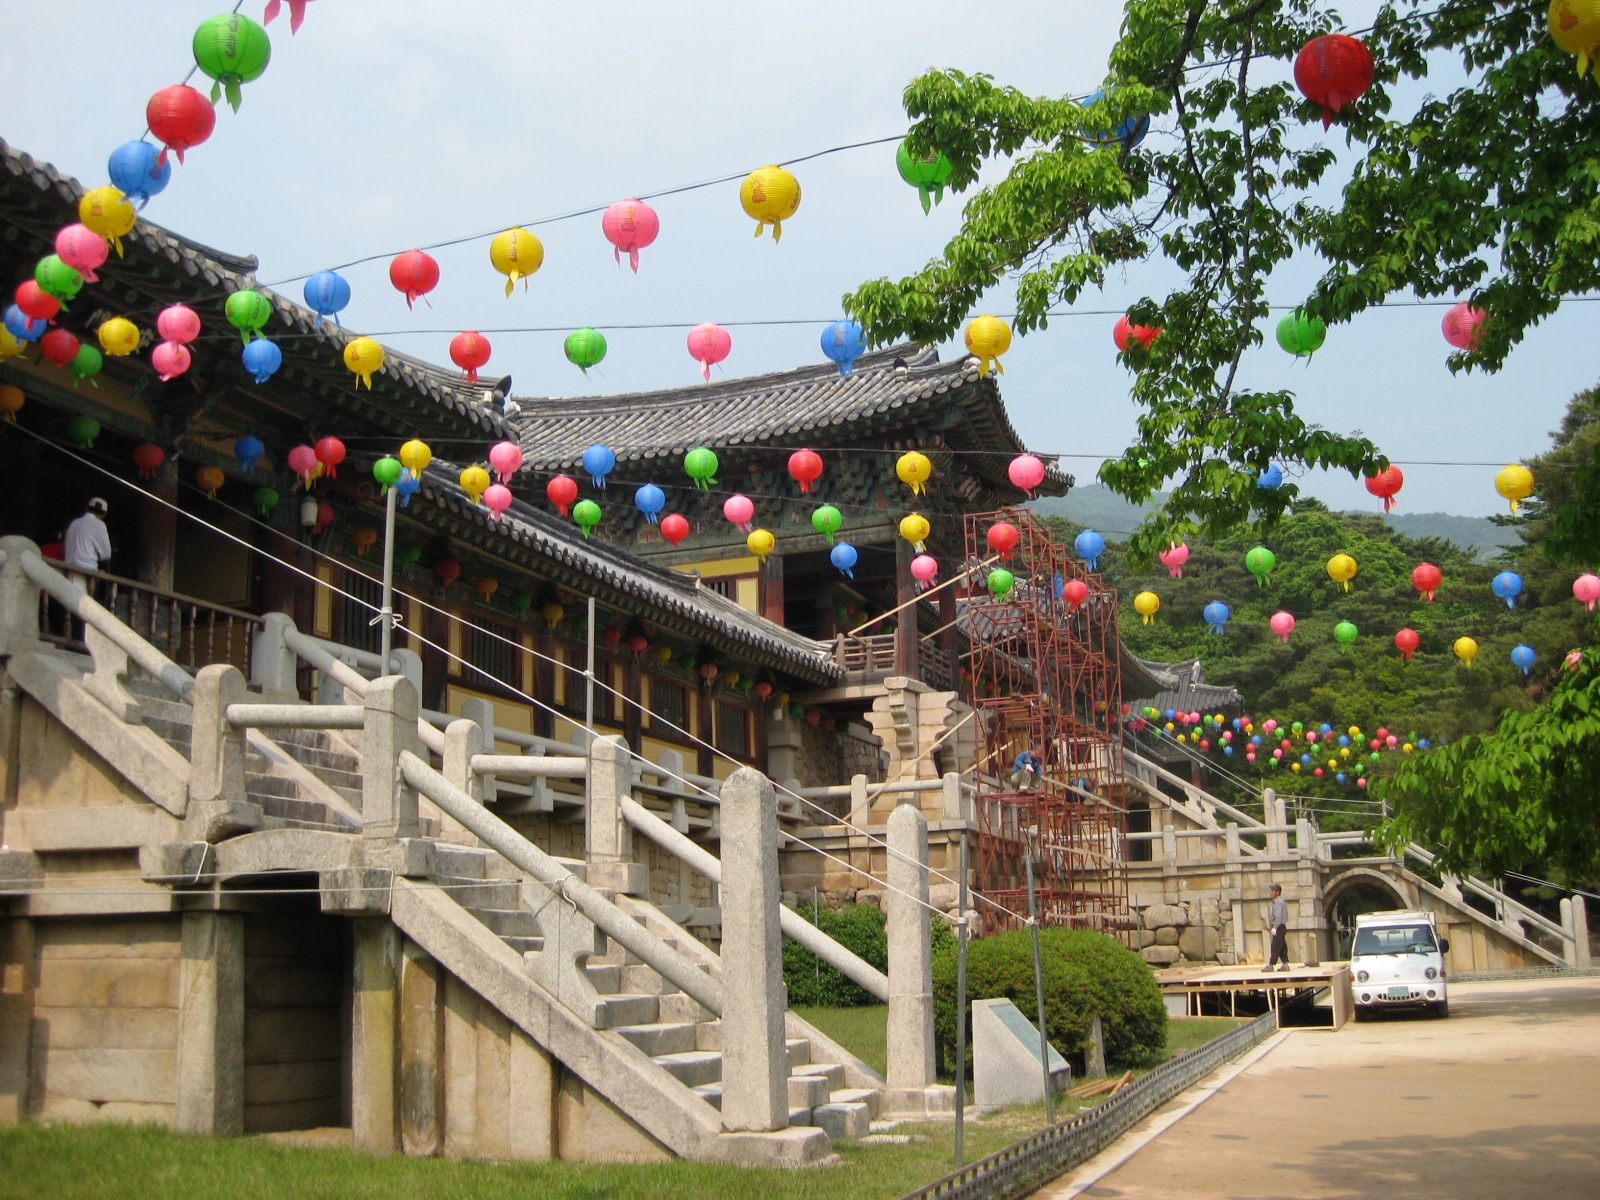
{"x": 1440, "y": 1010}
{"x": 1359, "y": 1014}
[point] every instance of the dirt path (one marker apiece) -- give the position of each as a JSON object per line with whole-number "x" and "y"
{"x": 1500, "y": 1101}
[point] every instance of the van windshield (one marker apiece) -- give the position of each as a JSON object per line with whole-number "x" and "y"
{"x": 1395, "y": 939}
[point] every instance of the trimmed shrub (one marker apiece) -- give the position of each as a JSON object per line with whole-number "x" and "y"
{"x": 859, "y": 928}
{"x": 1086, "y": 974}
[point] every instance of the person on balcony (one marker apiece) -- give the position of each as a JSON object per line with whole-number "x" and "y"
{"x": 1027, "y": 769}
{"x": 88, "y": 545}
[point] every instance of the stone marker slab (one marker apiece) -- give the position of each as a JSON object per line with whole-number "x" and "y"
{"x": 1005, "y": 1057}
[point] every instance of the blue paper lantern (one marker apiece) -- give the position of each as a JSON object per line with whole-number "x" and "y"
{"x": 327, "y": 293}
{"x": 1090, "y": 546}
{"x": 1523, "y": 656}
{"x": 1216, "y": 615}
{"x": 1228, "y": 749}
{"x": 599, "y": 461}
{"x": 844, "y": 342}
{"x": 21, "y": 328}
{"x": 1270, "y": 477}
{"x": 1324, "y": 728}
{"x": 407, "y": 486}
{"x": 1508, "y": 586}
{"x": 650, "y": 500}
{"x": 1130, "y": 133}
{"x": 249, "y": 451}
{"x": 1305, "y": 760}
{"x": 844, "y": 556}
{"x": 1344, "y": 739}
{"x": 261, "y": 358}
{"x": 137, "y": 172}
{"x": 1340, "y": 778}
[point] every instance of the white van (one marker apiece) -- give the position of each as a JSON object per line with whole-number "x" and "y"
{"x": 1397, "y": 961}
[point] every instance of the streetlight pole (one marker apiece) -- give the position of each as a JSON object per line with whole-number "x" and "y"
{"x": 386, "y": 615}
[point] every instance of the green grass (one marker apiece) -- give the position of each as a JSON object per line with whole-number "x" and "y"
{"x": 863, "y": 1031}
{"x": 1185, "y": 1033}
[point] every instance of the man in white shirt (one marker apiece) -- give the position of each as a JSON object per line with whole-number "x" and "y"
{"x": 87, "y": 545}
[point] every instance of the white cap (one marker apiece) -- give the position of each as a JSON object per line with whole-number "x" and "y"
{"x": 98, "y": 505}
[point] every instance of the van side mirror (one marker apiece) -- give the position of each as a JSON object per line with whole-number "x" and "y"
{"x": 1444, "y": 945}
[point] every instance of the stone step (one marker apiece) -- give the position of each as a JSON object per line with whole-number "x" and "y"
{"x": 692, "y": 1067}
{"x": 799, "y": 1053}
{"x": 676, "y": 1006}
{"x": 807, "y": 1091}
{"x": 660, "y": 1038}
{"x": 266, "y": 784}
{"x": 871, "y": 1097}
{"x": 170, "y": 731}
{"x": 460, "y": 862}
{"x": 164, "y": 708}
{"x": 607, "y": 980}
{"x": 637, "y": 977}
{"x": 509, "y": 922}
{"x": 481, "y": 893}
{"x": 841, "y": 1120}
{"x": 302, "y": 813}
{"x": 524, "y": 945}
{"x": 624, "y": 1009}
{"x": 832, "y": 1072}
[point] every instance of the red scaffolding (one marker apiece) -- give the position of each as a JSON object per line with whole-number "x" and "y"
{"x": 1045, "y": 675}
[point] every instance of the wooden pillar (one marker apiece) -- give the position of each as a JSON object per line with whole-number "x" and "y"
{"x": 907, "y": 640}
{"x": 772, "y": 589}
{"x": 158, "y": 530}
{"x": 544, "y": 684}
{"x": 436, "y": 628}
{"x": 633, "y": 689}
{"x": 704, "y": 731}
{"x": 949, "y": 639}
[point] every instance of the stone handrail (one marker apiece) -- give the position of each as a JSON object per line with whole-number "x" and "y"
{"x": 794, "y": 926}
{"x": 1140, "y": 764}
{"x": 525, "y": 856}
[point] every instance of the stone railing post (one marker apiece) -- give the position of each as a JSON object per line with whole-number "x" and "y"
{"x": 951, "y": 806}
{"x": 481, "y": 713}
{"x": 216, "y": 749}
{"x": 1578, "y": 921}
{"x": 462, "y": 739}
{"x": 911, "y": 1063}
{"x": 409, "y": 664}
{"x": 755, "y": 1061}
{"x": 274, "y": 668}
{"x": 19, "y": 600}
{"x": 388, "y": 805}
{"x": 608, "y": 838}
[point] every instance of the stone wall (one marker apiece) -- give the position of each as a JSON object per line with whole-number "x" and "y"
{"x": 1186, "y": 934}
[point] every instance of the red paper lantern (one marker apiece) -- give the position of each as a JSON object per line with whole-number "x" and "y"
{"x": 805, "y": 466}
{"x": 330, "y": 453}
{"x": 1333, "y": 70}
{"x": 674, "y": 528}
{"x": 1385, "y": 485}
{"x": 708, "y": 671}
{"x": 562, "y": 491}
{"x": 38, "y": 304}
{"x": 1125, "y": 332}
{"x": 180, "y": 118}
{"x": 611, "y": 635}
{"x": 1074, "y": 592}
{"x": 446, "y": 571}
{"x": 415, "y": 274}
{"x": 1003, "y": 538}
{"x": 325, "y": 518}
{"x": 1426, "y": 578}
{"x": 469, "y": 351}
{"x": 148, "y": 458}
{"x": 1406, "y": 641}
{"x": 638, "y": 643}
{"x": 762, "y": 690}
{"x": 59, "y": 346}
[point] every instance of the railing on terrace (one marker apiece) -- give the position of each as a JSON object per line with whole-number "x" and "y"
{"x": 875, "y": 657}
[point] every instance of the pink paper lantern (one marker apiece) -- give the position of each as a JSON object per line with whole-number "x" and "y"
{"x": 708, "y": 345}
{"x": 496, "y": 498}
{"x": 1026, "y": 472}
{"x": 1462, "y": 326}
{"x": 1587, "y": 589}
{"x": 1282, "y": 624}
{"x": 1173, "y": 558}
{"x": 178, "y": 323}
{"x": 924, "y": 568}
{"x": 739, "y": 511}
{"x": 506, "y": 459}
{"x": 170, "y": 360}
{"x": 82, "y": 249}
{"x": 303, "y": 462}
{"x": 630, "y": 225}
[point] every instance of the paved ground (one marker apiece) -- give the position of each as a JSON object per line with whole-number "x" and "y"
{"x": 1500, "y": 1101}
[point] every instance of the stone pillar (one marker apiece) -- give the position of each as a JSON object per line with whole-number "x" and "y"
{"x": 210, "y": 1084}
{"x": 421, "y": 1052}
{"x": 1272, "y": 814}
{"x": 374, "y": 1049}
{"x": 911, "y": 1062}
{"x": 785, "y": 749}
{"x": 388, "y": 806}
{"x": 274, "y": 669}
{"x": 1580, "y": 931}
{"x": 19, "y": 600}
{"x": 217, "y": 749}
{"x": 608, "y": 838}
{"x": 771, "y": 588}
{"x": 755, "y": 1061}
{"x": 462, "y": 739}
{"x": 18, "y": 979}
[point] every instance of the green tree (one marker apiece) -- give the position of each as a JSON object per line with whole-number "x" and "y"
{"x": 1486, "y": 191}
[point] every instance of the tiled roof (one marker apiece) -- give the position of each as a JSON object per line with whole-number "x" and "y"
{"x": 1181, "y": 686}
{"x": 656, "y": 592}
{"x": 228, "y": 272}
{"x": 900, "y": 387}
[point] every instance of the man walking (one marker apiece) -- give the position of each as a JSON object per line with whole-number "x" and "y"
{"x": 1278, "y": 927}
{"x": 87, "y": 545}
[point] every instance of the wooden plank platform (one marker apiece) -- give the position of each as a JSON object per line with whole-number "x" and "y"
{"x": 1192, "y": 981}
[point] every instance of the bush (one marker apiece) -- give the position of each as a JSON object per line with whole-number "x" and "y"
{"x": 859, "y": 928}
{"x": 1086, "y": 974}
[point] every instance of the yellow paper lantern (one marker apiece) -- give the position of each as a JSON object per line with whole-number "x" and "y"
{"x": 914, "y": 470}
{"x": 770, "y": 195}
{"x": 210, "y": 480}
{"x": 104, "y": 210}
{"x": 1575, "y": 27}
{"x": 1466, "y": 650}
{"x": 118, "y": 337}
{"x": 1147, "y": 604}
{"x": 1342, "y": 569}
{"x": 516, "y": 254}
{"x": 662, "y": 653}
{"x": 552, "y": 614}
{"x": 474, "y": 482}
{"x": 987, "y": 338}
{"x": 364, "y": 356}
{"x": 1354, "y": 731}
{"x": 914, "y": 528}
{"x": 760, "y": 543}
{"x": 10, "y": 347}
{"x": 364, "y": 539}
{"x": 1514, "y": 483}
{"x": 1295, "y": 767}
{"x": 415, "y": 456}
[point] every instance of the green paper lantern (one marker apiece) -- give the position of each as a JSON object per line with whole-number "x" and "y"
{"x": 1301, "y": 335}
{"x": 86, "y": 364}
{"x": 265, "y": 500}
{"x": 797, "y": 709}
{"x": 248, "y": 312}
{"x": 387, "y": 471}
{"x": 519, "y": 602}
{"x": 585, "y": 348}
{"x": 233, "y": 50}
{"x": 1345, "y": 634}
{"x": 1260, "y": 562}
{"x": 587, "y": 514}
{"x": 927, "y": 175}
{"x": 701, "y": 466}
{"x": 57, "y": 279}
{"x": 408, "y": 556}
{"x": 83, "y": 431}
{"x": 1001, "y": 581}
{"x": 827, "y": 520}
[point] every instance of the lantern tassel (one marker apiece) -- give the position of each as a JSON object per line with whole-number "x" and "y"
{"x": 760, "y": 228}
{"x": 233, "y": 94}
{"x": 927, "y": 199}
{"x": 777, "y": 236}
{"x": 472, "y": 377}
{"x": 633, "y": 259}
{"x": 920, "y": 547}
{"x": 705, "y": 373}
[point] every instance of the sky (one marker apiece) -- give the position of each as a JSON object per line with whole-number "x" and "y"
{"x": 384, "y": 126}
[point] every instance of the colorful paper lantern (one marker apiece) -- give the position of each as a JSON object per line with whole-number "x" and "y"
{"x": 249, "y": 311}
{"x": 415, "y": 456}
{"x": 1523, "y": 656}
{"x": 119, "y": 337}
{"x": 1466, "y": 649}
{"x": 1301, "y": 335}
{"x": 414, "y": 274}
{"x": 584, "y": 348}
{"x": 1125, "y": 333}
{"x": 1002, "y": 538}
{"x": 586, "y": 513}
{"x": 106, "y": 211}
{"x": 82, "y": 432}
{"x": 1128, "y": 134}
{"x": 12, "y": 399}
{"x": 1508, "y": 586}
{"x": 265, "y": 499}
{"x": 1282, "y": 624}
{"x": 770, "y": 196}
{"x": 82, "y": 249}
{"x": 1270, "y": 477}
{"x": 474, "y": 482}
{"x": 23, "y": 327}
{"x": 469, "y": 351}
{"x": 739, "y": 510}
{"x": 34, "y": 302}
{"x": 1000, "y": 583}
{"x": 1216, "y": 616}
{"x": 57, "y": 279}
{"x": 1074, "y": 592}
{"x": 761, "y": 543}
{"x": 330, "y": 453}
{"x": 364, "y": 357}
{"x": 650, "y": 500}
{"x": 914, "y": 469}
{"x": 516, "y": 254}
{"x": 387, "y": 471}
{"x": 1331, "y": 71}
{"x": 139, "y": 171}
{"x": 924, "y": 569}
{"x": 599, "y": 461}
{"x": 363, "y": 538}
{"x": 249, "y": 451}
{"x": 496, "y": 498}
{"x": 805, "y": 468}
{"x": 297, "y": 13}
{"x": 86, "y": 364}
{"x": 1345, "y": 633}
{"x": 327, "y": 293}
{"x": 1463, "y": 325}
{"x": 11, "y": 346}
{"x": 987, "y": 338}
{"x": 1575, "y": 27}
{"x": 844, "y": 557}
{"x": 180, "y": 118}
{"x": 1386, "y": 485}
{"x": 1147, "y": 604}
{"x": 915, "y": 529}
{"x": 210, "y": 480}
{"x": 708, "y": 345}
{"x": 407, "y": 486}
{"x": 1586, "y": 588}
{"x": 178, "y": 323}
{"x": 562, "y": 490}
{"x": 1260, "y": 562}
{"x": 827, "y": 520}
{"x": 927, "y": 175}
{"x": 59, "y": 347}
{"x": 1173, "y": 558}
{"x": 447, "y": 571}
{"x": 506, "y": 459}
{"x": 629, "y": 225}
{"x": 1514, "y": 483}
{"x": 1089, "y": 546}
{"x": 303, "y": 462}
{"x": 674, "y": 528}
{"x": 233, "y": 50}
{"x": 261, "y": 359}
{"x": 1342, "y": 569}
{"x": 700, "y": 465}
{"x": 1025, "y": 472}
{"x": 842, "y": 343}
{"x": 1426, "y": 578}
